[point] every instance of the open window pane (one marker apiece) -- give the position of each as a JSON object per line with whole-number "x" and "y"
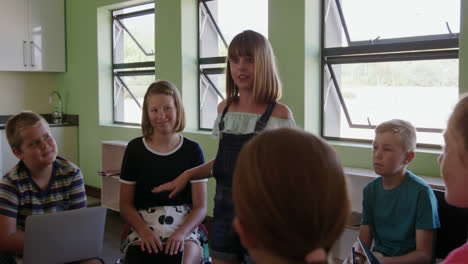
{"x": 422, "y": 92}
{"x": 212, "y": 91}
{"x": 230, "y": 17}
{"x": 219, "y": 22}
{"x": 366, "y": 20}
{"x": 389, "y": 59}
{"x": 129, "y": 92}
{"x": 133, "y": 30}
{"x": 133, "y": 60}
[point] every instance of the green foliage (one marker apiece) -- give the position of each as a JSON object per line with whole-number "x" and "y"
{"x": 435, "y": 73}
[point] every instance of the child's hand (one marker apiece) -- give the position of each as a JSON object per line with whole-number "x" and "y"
{"x": 175, "y": 243}
{"x": 175, "y": 186}
{"x": 150, "y": 242}
{"x": 360, "y": 258}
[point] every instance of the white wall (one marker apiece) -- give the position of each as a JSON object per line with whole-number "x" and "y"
{"x": 26, "y": 91}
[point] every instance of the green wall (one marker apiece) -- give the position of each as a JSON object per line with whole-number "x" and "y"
{"x": 294, "y": 32}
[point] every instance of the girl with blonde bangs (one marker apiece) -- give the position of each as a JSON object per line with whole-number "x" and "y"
{"x": 267, "y": 84}
{"x": 290, "y": 197}
{"x": 252, "y": 88}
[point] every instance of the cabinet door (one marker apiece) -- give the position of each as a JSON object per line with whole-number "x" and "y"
{"x": 66, "y": 139}
{"x": 13, "y": 35}
{"x": 8, "y": 159}
{"x": 46, "y": 30}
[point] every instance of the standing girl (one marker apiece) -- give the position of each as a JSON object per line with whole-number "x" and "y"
{"x": 454, "y": 168}
{"x": 252, "y": 88}
{"x": 157, "y": 222}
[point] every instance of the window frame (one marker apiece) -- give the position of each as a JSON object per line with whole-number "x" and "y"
{"x": 133, "y": 68}
{"x": 208, "y": 60}
{"x": 430, "y": 47}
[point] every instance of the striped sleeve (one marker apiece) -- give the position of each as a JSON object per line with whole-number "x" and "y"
{"x": 77, "y": 191}
{"x": 8, "y": 198}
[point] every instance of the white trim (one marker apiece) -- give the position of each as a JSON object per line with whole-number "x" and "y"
{"x": 164, "y": 153}
{"x": 197, "y": 181}
{"x": 127, "y": 182}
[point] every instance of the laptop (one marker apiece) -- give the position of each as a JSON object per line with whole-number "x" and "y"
{"x": 371, "y": 259}
{"x": 64, "y": 236}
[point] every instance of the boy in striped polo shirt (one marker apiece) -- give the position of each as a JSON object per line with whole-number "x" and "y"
{"x": 40, "y": 183}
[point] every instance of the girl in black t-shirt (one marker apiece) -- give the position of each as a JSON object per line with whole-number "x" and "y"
{"x": 160, "y": 225}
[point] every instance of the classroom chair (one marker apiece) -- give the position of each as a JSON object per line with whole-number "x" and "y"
{"x": 453, "y": 230}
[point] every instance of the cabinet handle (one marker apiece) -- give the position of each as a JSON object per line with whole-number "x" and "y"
{"x": 32, "y": 53}
{"x": 24, "y": 53}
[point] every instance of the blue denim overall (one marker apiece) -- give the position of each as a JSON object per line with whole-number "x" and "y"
{"x": 225, "y": 240}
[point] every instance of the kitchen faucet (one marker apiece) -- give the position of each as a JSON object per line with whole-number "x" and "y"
{"x": 57, "y": 114}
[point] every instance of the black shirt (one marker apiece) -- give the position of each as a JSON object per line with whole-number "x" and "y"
{"x": 148, "y": 169}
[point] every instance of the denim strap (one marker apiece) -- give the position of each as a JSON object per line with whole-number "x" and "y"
{"x": 261, "y": 123}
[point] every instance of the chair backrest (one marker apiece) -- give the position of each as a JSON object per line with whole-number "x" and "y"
{"x": 453, "y": 226}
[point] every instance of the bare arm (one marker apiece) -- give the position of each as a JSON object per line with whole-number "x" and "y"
{"x": 11, "y": 239}
{"x": 197, "y": 173}
{"x": 149, "y": 241}
{"x": 193, "y": 220}
{"x": 423, "y": 252}
{"x": 282, "y": 111}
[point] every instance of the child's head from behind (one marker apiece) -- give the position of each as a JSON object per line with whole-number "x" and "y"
{"x": 290, "y": 195}
{"x": 454, "y": 160}
{"x": 163, "y": 110}
{"x": 265, "y": 80}
{"x": 30, "y": 139}
{"x": 393, "y": 147}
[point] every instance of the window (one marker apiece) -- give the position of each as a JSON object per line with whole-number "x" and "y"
{"x": 389, "y": 59}
{"x": 133, "y": 60}
{"x": 219, "y": 22}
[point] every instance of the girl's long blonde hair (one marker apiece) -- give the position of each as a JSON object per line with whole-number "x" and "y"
{"x": 290, "y": 192}
{"x": 267, "y": 84}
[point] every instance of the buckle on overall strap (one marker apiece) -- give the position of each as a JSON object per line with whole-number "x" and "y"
{"x": 260, "y": 125}
{"x": 221, "y": 125}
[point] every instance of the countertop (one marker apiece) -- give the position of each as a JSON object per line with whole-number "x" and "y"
{"x": 68, "y": 120}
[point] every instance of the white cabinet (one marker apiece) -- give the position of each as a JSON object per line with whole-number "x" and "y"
{"x": 8, "y": 159}
{"x": 32, "y": 35}
{"x": 111, "y": 157}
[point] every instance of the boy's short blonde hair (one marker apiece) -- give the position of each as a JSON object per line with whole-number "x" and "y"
{"x": 166, "y": 88}
{"x": 403, "y": 128}
{"x": 289, "y": 191}
{"x": 17, "y": 123}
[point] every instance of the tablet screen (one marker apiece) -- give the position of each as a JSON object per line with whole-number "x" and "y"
{"x": 369, "y": 255}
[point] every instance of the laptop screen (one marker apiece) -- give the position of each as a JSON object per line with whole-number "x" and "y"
{"x": 64, "y": 236}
